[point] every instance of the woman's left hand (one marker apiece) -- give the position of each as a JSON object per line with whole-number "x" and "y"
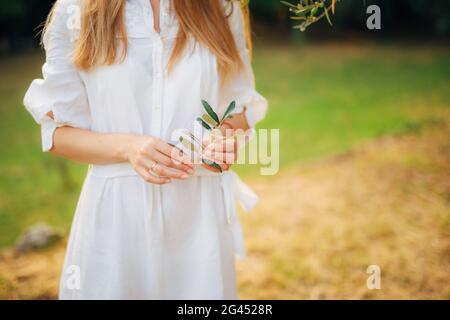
{"x": 221, "y": 150}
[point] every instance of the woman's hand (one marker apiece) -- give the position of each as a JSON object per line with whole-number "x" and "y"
{"x": 222, "y": 146}
{"x": 221, "y": 149}
{"x": 158, "y": 162}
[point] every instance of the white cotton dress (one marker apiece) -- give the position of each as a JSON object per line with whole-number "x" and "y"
{"x": 131, "y": 239}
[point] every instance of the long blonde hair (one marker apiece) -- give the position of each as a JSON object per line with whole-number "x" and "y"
{"x": 103, "y": 31}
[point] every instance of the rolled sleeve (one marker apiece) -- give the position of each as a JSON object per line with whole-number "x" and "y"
{"x": 61, "y": 90}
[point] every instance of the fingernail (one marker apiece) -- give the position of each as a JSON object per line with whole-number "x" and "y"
{"x": 190, "y": 171}
{"x": 184, "y": 176}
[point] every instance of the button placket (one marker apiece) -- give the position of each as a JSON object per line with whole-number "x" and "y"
{"x": 158, "y": 87}
{"x": 146, "y": 12}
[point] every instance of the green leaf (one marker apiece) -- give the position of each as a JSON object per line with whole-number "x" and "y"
{"x": 290, "y": 5}
{"x": 229, "y": 110}
{"x": 212, "y": 164}
{"x": 210, "y": 111}
{"x": 194, "y": 138}
{"x": 175, "y": 147}
{"x": 187, "y": 144}
{"x": 207, "y": 118}
{"x": 327, "y": 15}
{"x": 204, "y": 124}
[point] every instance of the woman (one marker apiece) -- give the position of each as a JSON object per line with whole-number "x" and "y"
{"x": 117, "y": 83}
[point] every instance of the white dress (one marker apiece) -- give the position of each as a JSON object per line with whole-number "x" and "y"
{"x": 131, "y": 239}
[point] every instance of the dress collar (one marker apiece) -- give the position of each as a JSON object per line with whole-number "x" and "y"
{"x": 165, "y": 18}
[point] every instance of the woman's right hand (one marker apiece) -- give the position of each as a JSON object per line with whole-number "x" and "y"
{"x": 158, "y": 162}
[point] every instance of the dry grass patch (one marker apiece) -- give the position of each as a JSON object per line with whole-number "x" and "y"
{"x": 318, "y": 227}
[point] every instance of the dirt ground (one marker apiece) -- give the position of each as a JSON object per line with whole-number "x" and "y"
{"x": 318, "y": 227}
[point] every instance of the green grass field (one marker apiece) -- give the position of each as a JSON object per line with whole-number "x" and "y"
{"x": 325, "y": 99}
{"x": 329, "y": 98}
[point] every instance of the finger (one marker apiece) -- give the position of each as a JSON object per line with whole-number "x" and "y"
{"x": 149, "y": 178}
{"x": 210, "y": 168}
{"x": 173, "y": 153}
{"x": 161, "y": 170}
{"x": 224, "y": 145}
{"x": 224, "y": 167}
{"x": 169, "y": 162}
{"x": 220, "y": 157}
{"x": 164, "y": 171}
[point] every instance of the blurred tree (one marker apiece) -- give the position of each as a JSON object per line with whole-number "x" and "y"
{"x": 11, "y": 12}
{"x": 425, "y": 18}
{"x": 20, "y": 19}
{"x": 307, "y": 12}
{"x": 270, "y": 12}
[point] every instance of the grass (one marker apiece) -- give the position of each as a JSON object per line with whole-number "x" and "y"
{"x": 34, "y": 186}
{"x": 385, "y": 203}
{"x": 324, "y": 98}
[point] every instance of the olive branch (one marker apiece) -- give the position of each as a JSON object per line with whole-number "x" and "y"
{"x": 308, "y": 12}
{"x": 210, "y": 121}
